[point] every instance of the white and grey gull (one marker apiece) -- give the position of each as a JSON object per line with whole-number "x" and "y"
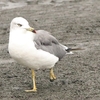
{"x": 36, "y": 49}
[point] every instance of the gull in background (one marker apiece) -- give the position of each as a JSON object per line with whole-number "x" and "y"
{"x": 36, "y": 49}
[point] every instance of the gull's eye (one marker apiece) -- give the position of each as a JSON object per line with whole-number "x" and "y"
{"x": 19, "y": 25}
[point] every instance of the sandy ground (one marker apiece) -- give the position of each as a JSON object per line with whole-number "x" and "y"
{"x": 75, "y": 23}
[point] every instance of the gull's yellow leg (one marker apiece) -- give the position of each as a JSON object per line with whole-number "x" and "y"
{"x": 34, "y": 83}
{"x": 52, "y": 75}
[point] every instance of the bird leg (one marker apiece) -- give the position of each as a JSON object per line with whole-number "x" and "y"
{"x": 52, "y": 75}
{"x": 34, "y": 83}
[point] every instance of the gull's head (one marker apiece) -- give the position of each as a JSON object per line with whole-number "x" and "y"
{"x": 21, "y": 24}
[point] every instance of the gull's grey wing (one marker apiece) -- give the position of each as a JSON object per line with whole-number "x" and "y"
{"x": 45, "y": 41}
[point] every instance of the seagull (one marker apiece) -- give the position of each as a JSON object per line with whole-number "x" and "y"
{"x": 36, "y": 49}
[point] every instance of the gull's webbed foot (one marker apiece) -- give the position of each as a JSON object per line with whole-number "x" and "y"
{"x": 52, "y": 76}
{"x": 33, "y": 90}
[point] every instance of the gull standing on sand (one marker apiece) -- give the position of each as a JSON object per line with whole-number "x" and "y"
{"x": 34, "y": 49}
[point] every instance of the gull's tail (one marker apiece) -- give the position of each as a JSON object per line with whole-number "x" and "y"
{"x": 73, "y": 49}
{"x": 69, "y": 50}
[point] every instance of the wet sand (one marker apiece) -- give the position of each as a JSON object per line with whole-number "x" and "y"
{"x": 75, "y": 23}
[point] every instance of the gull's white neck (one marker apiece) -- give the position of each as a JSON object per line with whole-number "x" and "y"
{"x": 21, "y": 40}
{"x": 21, "y": 43}
{"x": 21, "y": 36}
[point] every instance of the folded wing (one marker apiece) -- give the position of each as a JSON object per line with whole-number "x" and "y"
{"x": 45, "y": 41}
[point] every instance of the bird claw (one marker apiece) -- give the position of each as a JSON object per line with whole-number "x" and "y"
{"x": 51, "y": 80}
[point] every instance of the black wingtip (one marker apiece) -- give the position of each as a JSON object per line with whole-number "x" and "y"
{"x": 69, "y": 49}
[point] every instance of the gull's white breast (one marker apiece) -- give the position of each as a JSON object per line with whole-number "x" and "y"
{"x": 22, "y": 49}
